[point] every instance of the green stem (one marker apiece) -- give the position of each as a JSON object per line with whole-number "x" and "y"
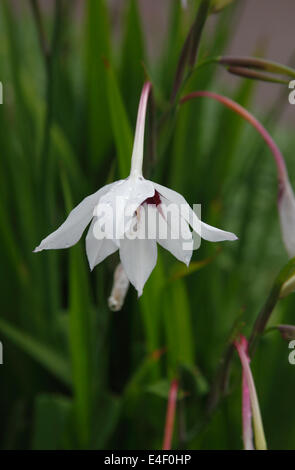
{"x": 262, "y": 319}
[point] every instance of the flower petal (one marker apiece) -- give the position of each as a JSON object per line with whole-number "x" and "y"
{"x": 97, "y": 250}
{"x": 169, "y": 194}
{"x": 206, "y": 231}
{"x": 124, "y": 199}
{"x": 71, "y": 230}
{"x": 172, "y": 234}
{"x": 138, "y": 257}
{"x": 213, "y": 234}
{"x": 286, "y": 205}
{"x": 176, "y": 249}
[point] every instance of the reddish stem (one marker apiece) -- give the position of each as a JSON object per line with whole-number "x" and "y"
{"x": 170, "y": 415}
{"x": 279, "y": 159}
{"x": 241, "y": 346}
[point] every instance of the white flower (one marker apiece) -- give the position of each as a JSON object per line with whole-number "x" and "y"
{"x": 127, "y": 199}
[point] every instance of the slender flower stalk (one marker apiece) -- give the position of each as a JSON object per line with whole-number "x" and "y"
{"x": 279, "y": 159}
{"x": 250, "y": 397}
{"x": 137, "y": 153}
{"x": 246, "y": 404}
{"x": 170, "y": 415}
{"x": 40, "y": 28}
{"x": 132, "y": 216}
{"x": 283, "y": 285}
{"x": 246, "y": 415}
{"x": 286, "y": 198}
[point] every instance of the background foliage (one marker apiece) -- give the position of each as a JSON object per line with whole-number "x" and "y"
{"x": 76, "y": 375}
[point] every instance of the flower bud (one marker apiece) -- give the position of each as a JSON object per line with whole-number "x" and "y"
{"x": 119, "y": 290}
{"x": 255, "y": 75}
{"x": 257, "y": 63}
{"x": 286, "y": 205}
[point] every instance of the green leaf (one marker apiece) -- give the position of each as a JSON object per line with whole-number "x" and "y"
{"x": 51, "y": 420}
{"x": 120, "y": 123}
{"x": 10, "y": 246}
{"x": 51, "y": 360}
{"x": 97, "y": 33}
{"x": 106, "y": 419}
{"x": 230, "y": 131}
{"x": 133, "y": 56}
{"x": 24, "y": 121}
{"x": 179, "y": 272}
{"x": 162, "y": 389}
{"x": 80, "y": 336}
{"x": 80, "y": 344}
{"x": 61, "y": 147}
{"x": 141, "y": 376}
{"x": 178, "y": 327}
{"x": 218, "y": 5}
{"x": 151, "y": 305}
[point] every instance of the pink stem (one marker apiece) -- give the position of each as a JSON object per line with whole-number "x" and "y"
{"x": 242, "y": 348}
{"x": 279, "y": 159}
{"x": 260, "y": 441}
{"x": 170, "y": 415}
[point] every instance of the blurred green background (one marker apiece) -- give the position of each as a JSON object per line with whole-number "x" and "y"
{"x": 76, "y": 375}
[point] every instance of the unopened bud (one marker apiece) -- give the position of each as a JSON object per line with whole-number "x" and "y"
{"x": 255, "y": 75}
{"x": 256, "y": 63}
{"x": 286, "y": 206}
{"x": 119, "y": 290}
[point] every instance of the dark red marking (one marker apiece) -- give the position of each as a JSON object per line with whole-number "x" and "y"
{"x": 155, "y": 199}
